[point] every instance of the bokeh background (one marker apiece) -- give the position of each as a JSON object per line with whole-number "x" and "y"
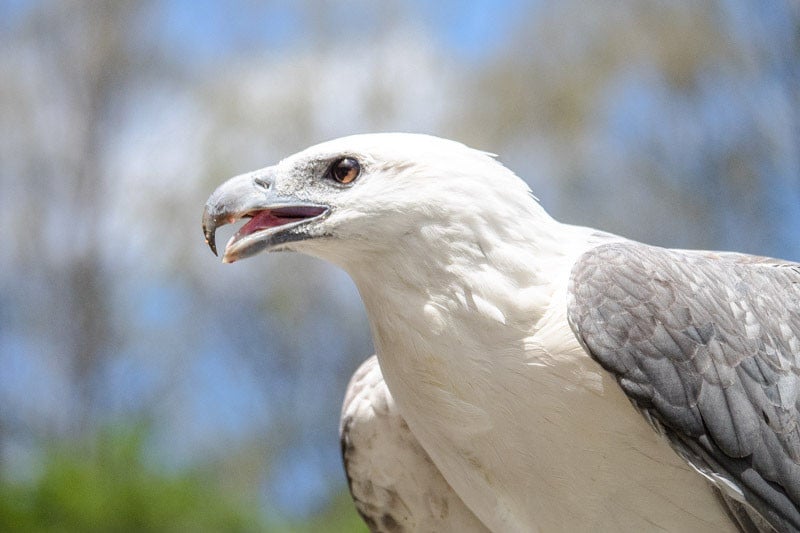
{"x": 145, "y": 386}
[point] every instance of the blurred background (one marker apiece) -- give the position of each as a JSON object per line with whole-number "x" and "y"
{"x": 145, "y": 386}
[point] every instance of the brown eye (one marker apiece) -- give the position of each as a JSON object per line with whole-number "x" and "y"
{"x": 345, "y": 170}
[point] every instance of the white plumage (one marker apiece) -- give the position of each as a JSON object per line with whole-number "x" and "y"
{"x": 467, "y": 285}
{"x": 394, "y": 483}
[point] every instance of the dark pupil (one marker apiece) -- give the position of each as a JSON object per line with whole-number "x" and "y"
{"x": 344, "y": 168}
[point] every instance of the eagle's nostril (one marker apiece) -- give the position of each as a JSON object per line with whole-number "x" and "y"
{"x": 263, "y": 182}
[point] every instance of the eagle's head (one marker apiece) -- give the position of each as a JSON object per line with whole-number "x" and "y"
{"x": 363, "y": 195}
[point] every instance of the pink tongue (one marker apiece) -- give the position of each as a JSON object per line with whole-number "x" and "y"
{"x": 263, "y": 220}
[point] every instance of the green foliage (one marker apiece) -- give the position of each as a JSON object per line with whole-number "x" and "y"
{"x": 106, "y": 484}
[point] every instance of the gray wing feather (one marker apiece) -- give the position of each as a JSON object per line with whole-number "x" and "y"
{"x": 706, "y": 345}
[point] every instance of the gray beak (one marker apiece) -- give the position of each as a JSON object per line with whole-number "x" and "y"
{"x": 275, "y": 218}
{"x": 231, "y": 201}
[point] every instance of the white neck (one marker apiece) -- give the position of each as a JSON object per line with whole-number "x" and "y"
{"x": 447, "y": 303}
{"x": 456, "y": 278}
{"x": 470, "y": 331}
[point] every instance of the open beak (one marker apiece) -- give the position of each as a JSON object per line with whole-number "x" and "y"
{"x": 274, "y": 219}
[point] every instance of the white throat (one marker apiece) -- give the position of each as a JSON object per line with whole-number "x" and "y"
{"x": 455, "y": 314}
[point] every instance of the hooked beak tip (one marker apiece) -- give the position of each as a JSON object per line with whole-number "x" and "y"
{"x": 210, "y": 230}
{"x": 211, "y": 244}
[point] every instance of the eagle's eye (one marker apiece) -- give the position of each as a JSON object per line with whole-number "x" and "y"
{"x": 345, "y": 170}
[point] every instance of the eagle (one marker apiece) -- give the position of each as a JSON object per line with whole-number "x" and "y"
{"x": 532, "y": 375}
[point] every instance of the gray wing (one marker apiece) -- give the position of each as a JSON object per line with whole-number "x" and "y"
{"x": 706, "y": 346}
{"x": 395, "y": 485}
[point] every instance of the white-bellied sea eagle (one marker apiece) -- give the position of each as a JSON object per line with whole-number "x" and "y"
{"x": 533, "y": 375}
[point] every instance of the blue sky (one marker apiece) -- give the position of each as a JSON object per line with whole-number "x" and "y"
{"x": 207, "y": 29}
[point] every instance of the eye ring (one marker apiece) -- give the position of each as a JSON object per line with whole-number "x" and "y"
{"x": 345, "y": 170}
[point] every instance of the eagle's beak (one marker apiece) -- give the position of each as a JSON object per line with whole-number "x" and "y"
{"x": 275, "y": 218}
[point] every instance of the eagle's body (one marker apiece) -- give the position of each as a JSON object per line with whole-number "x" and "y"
{"x": 527, "y": 428}
{"x": 518, "y": 349}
